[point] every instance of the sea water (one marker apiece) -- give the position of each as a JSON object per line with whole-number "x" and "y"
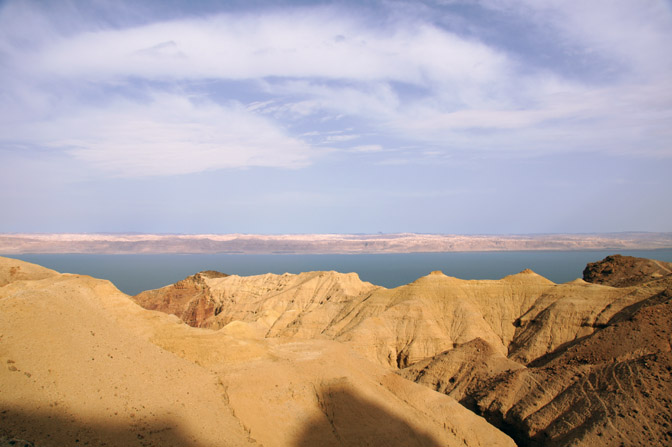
{"x": 135, "y": 273}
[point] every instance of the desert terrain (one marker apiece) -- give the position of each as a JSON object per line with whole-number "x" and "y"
{"x": 323, "y": 358}
{"x": 21, "y": 243}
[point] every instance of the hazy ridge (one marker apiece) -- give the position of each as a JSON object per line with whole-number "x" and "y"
{"x": 23, "y": 243}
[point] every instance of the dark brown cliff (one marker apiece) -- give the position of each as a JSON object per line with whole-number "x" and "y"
{"x": 625, "y": 271}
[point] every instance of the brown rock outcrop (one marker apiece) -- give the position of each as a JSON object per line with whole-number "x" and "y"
{"x": 625, "y": 271}
{"x": 190, "y": 299}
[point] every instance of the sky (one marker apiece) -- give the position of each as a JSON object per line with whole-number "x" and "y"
{"x": 435, "y": 116}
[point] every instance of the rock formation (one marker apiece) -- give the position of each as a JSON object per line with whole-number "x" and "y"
{"x": 189, "y": 299}
{"x": 323, "y": 358}
{"x": 84, "y": 365}
{"x": 523, "y": 316}
{"x": 612, "y": 387}
{"x": 624, "y": 271}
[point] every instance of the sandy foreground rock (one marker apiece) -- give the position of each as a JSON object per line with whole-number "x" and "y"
{"x": 82, "y": 364}
{"x": 323, "y": 358}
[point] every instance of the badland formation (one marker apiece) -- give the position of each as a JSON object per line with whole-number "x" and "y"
{"x": 325, "y": 359}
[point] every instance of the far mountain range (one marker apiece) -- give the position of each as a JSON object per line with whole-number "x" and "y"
{"x": 116, "y": 243}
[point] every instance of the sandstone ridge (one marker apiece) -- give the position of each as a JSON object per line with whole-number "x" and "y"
{"x": 455, "y": 336}
{"x": 323, "y": 358}
{"x": 82, "y": 364}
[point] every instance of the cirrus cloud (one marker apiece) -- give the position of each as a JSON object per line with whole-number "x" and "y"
{"x": 242, "y": 89}
{"x": 167, "y": 135}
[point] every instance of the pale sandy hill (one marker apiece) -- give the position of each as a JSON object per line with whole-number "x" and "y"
{"x": 84, "y": 365}
{"x": 72, "y": 374}
{"x": 14, "y": 270}
{"x": 522, "y": 316}
{"x": 604, "y": 377}
{"x": 317, "y": 358}
{"x": 396, "y": 327}
{"x": 456, "y": 336}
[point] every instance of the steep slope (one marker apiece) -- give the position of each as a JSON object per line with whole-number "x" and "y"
{"x": 460, "y": 372}
{"x": 401, "y": 326}
{"x": 603, "y": 378}
{"x": 551, "y": 364}
{"x": 612, "y": 388}
{"x": 599, "y": 368}
{"x": 568, "y": 312}
{"x": 189, "y": 299}
{"x": 624, "y": 271}
{"x": 86, "y": 365}
{"x": 71, "y": 373}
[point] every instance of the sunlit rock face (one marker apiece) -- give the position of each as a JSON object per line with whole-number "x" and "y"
{"x": 83, "y": 364}
{"x": 323, "y": 358}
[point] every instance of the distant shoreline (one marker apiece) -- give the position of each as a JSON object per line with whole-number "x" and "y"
{"x": 45, "y": 243}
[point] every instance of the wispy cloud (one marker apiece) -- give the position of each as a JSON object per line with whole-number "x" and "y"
{"x": 300, "y": 43}
{"x": 341, "y": 138}
{"x": 134, "y": 100}
{"x": 368, "y": 148}
{"x": 166, "y": 135}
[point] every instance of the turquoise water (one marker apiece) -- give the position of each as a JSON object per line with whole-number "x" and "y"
{"x": 135, "y": 273}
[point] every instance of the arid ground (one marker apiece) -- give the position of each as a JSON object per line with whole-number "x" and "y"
{"x": 323, "y": 358}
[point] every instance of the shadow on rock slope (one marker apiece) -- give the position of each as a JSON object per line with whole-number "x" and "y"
{"x": 350, "y": 420}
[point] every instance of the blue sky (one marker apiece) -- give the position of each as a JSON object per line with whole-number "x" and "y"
{"x": 483, "y": 116}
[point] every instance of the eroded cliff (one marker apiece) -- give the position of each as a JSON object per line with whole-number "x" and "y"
{"x": 551, "y": 364}
{"x": 323, "y": 358}
{"x": 84, "y": 365}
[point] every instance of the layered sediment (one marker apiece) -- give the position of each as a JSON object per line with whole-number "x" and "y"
{"x": 323, "y": 358}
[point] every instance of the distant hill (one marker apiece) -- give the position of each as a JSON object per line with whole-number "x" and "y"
{"x": 322, "y": 243}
